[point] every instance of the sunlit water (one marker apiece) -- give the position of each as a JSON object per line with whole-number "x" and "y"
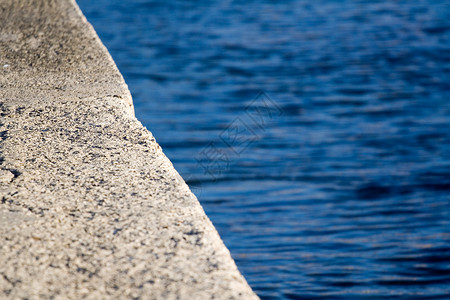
{"x": 343, "y": 193}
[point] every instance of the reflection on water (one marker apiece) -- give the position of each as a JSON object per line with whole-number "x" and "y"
{"x": 343, "y": 195}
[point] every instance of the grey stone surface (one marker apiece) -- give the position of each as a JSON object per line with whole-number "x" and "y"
{"x": 90, "y": 207}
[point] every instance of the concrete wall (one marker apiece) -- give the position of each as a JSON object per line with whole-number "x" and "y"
{"x": 90, "y": 207}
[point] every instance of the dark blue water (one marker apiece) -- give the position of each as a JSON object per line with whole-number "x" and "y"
{"x": 339, "y": 187}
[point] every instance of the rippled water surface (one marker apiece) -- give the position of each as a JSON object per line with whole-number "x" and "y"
{"x": 342, "y": 192}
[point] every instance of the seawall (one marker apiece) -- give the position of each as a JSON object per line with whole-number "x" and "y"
{"x": 90, "y": 207}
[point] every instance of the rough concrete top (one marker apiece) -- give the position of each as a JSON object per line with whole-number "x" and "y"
{"x": 90, "y": 207}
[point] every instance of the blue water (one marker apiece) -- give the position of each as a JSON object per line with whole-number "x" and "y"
{"x": 340, "y": 189}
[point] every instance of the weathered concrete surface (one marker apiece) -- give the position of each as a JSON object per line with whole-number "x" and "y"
{"x": 89, "y": 205}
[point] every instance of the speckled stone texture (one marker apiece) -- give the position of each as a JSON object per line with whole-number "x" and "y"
{"x": 90, "y": 207}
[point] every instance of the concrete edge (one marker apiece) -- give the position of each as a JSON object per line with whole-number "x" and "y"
{"x": 128, "y": 99}
{"x": 90, "y": 207}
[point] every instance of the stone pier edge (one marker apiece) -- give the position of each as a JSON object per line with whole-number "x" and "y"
{"x": 90, "y": 207}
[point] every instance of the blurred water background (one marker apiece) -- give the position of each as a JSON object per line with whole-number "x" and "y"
{"x": 344, "y": 192}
